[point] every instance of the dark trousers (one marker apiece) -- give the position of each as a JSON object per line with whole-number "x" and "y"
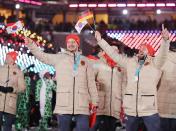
{"x": 168, "y": 124}
{"x": 67, "y": 122}
{"x": 151, "y": 122}
{"x": 6, "y": 120}
{"x": 105, "y": 123}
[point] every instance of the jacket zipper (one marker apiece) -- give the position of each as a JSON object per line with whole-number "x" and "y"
{"x": 137, "y": 95}
{"x": 111, "y": 91}
{"x": 6, "y": 86}
{"x": 74, "y": 90}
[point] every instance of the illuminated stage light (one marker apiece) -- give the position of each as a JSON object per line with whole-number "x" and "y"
{"x": 121, "y": 5}
{"x": 125, "y": 12}
{"x": 82, "y": 5}
{"x": 131, "y": 5}
{"x": 150, "y": 5}
{"x": 92, "y": 5}
{"x": 158, "y": 11}
{"x": 73, "y": 5}
{"x": 170, "y": 4}
{"x": 102, "y": 5}
{"x": 17, "y": 6}
{"x": 112, "y": 5}
{"x": 141, "y": 5}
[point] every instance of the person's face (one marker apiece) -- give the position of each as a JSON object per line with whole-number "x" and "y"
{"x": 72, "y": 46}
{"x": 47, "y": 75}
{"x": 142, "y": 52}
{"x": 9, "y": 60}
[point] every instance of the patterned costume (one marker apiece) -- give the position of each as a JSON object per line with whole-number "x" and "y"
{"x": 22, "y": 116}
{"x": 47, "y": 112}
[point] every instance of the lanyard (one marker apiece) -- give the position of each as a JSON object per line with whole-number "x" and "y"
{"x": 76, "y": 64}
{"x": 141, "y": 63}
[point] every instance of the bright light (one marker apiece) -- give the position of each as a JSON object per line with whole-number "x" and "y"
{"x": 158, "y": 11}
{"x": 150, "y": 5}
{"x": 17, "y": 6}
{"x": 82, "y": 5}
{"x": 131, "y": 5}
{"x": 111, "y": 5}
{"x": 121, "y": 5}
{"x": 92, "y": 5}
{"x": 160, "y": 5}
{"x": 125, "y": 12}
{"x": 102, "y": 5}
{"x": 170, "y": 4}
{"x": 141, "y": 5}
{"x": 73, "y": 5}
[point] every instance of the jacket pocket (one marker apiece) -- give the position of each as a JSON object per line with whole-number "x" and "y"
{"x": 148, "y": 102}
{"x": 83, "y": 98}
{"x": 128, "y": 102}
{"x": 12, "y": 101}
{"x": 63, "y": 97}
{"x": 101, "y": 104}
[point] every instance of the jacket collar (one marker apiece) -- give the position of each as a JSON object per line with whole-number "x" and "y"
{"x": 11, "y": 66}
{"x": 70, "y": 53}
{"x": 147, "y": 61}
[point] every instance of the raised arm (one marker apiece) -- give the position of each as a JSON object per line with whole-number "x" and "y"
{"x": 44, "y": 57}
{"x": 120, "y": 59}
{"x": 163, "y": 50}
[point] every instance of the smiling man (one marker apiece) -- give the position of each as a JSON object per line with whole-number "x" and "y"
{"x": 76, "y": 86}
{"x": 143, "y": 74}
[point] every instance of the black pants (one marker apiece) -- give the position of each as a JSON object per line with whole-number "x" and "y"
{"x": 168, "y": 124}
{"x": 105, "y": 123}
{"x": 9, "y": 119}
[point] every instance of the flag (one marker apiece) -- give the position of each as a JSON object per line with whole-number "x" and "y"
{"x": 85, "y": 15}
{"x": 80, "y": 25}
{"x": 14, "y": 27}
{"x": 93, "y": 116}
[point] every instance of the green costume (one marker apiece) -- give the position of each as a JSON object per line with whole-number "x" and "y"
{"x": 22, "y": 113}
{"x": 50, "y": 86}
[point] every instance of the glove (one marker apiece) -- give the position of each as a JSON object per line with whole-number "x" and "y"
{"x": 92, "y": 108}
{"x": 9, "y": 89}
{"x": 2, "y": 89}
{"x": 92, "y": 118}
{"x": 6, "y": 89}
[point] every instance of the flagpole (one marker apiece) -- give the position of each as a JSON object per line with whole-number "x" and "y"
{"x": 94, "y": 21}
{"x": 91, "y": 27}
